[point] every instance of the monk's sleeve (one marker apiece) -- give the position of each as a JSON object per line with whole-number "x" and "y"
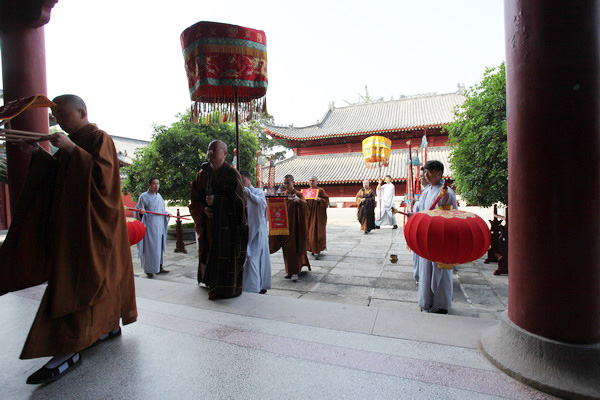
{"x": 197, "y": 201}
{"x": 359, "y": 198}
{"x": 24, "y": 253}
{"x": 323, "y": 195}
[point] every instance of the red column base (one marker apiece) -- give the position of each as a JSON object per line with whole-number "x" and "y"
{"x": 562, "y": 369}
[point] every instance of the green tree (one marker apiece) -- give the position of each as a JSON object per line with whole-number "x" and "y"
{"x": 480, "y": 148}
{"x": 267, "y": 143}
{"x": 177, "y": 152}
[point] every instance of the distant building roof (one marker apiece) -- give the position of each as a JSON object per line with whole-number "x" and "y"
{"x": 349, "y": 167}
{"x": 126, "y": 147}
{"x": 409, "y": 113}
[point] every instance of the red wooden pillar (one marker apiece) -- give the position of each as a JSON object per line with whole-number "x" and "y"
{"x": 23, "y": 74}
{"x": 550, "y": 337}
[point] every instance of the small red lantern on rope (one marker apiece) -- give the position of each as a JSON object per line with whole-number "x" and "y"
{"x": 447, "y": 237}
{"x": 136, "y": 230}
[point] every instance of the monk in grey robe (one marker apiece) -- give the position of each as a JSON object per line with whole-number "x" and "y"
{"x": 154, "y": 244}
{"x": 69, "y": 230}
{"x": 435, "y": 284}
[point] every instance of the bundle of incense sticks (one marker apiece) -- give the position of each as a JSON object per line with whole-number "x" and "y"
{"x": 152, "y": 212}
{"x": 15, "y": 135}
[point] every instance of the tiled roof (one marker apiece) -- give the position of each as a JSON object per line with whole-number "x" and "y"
{"x": 349, "y": 167}
{"x": 389, "y": 116}
{"x": 126, "y": 147}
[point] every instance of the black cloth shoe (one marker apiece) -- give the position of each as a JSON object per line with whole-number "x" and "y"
{"x": 377, "y": 227}
{"x": 435, "y": 310}
{"x": 164, "y": 271}
{"x": 108, "y": 336}
{"x": 395, "y": 227}
{"x": 150, "y": 275}
{"x": 263, "y": 291}
{"x": 287, "y": 277}
{"x": 47, "y": 375}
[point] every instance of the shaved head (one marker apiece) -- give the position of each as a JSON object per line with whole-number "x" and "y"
{"x": 218, "y": 144}
{"x": 72, "y": 100}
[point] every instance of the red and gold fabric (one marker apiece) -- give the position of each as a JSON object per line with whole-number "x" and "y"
{"x": 310, "y": 194}
{"x": 376, "y": 151}
{"x": 278, "y": 216}
{"x": 447, "y": 237}
{"x": 219, "y": 57}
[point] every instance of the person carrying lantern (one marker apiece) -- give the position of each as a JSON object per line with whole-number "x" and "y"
{"x": 316, "y": 236}
{"x": 69, "y": 230}
{"x": 217, "y": 207}
{"x": 435, "y": 284}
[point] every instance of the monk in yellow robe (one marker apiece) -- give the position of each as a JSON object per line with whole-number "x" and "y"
{"x": 316, "y": 238}
{"x": 69, "y": 230}
{"x": 294, "y": 244}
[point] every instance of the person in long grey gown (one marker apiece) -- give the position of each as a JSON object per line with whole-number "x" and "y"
{"x": 435, "y": 284}
{"x": 257, "y": 268}
{"x": 416, "y": 208}
{"x": 154, "y": 244}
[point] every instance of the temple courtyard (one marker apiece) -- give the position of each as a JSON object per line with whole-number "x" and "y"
{"x": 350, "y": 328}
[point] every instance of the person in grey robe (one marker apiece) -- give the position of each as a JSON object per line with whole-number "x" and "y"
{"x": 154, "y": 244}
{"x": 257, "y": 268}
{"x": 416, "y": 208}
{"x": 435, "y": 284}
{"x": 384, "y": 214}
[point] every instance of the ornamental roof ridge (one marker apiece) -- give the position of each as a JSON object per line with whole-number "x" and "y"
{"x": 411, "y": 112}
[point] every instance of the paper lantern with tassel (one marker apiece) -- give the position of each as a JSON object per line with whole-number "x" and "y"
{"x": 447, "y": 237}
{"x": 136, "y": 230}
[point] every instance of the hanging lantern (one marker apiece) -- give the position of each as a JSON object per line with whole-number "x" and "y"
{"x": 226, "y": 66}
{"x": 376, "y": 151}
{"x": 136, "y": 230}
{"x": 447, "y": 238}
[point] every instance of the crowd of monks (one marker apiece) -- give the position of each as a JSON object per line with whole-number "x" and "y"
{"x": 69, "y": 230}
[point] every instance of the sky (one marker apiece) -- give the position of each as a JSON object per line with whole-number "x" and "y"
{"x": 124, "y": 57}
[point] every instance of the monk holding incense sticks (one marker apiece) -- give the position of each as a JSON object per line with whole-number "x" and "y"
{"x": 69, "y": 230}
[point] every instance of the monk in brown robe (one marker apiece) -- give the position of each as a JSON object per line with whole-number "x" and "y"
{"x": 217, "y": 206}
{"x": 316, "y": 238}
{"x": 69, "y": 230}
{"x": 294, "y": 244}
{"x": 365, "y": 201}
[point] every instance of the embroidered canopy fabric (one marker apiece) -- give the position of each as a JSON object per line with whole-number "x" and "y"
{"x": 376, "y": 151}
{"x": 222, "y": 60}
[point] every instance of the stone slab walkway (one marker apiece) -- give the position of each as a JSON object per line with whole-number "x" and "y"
{"x": 355, "y": 269}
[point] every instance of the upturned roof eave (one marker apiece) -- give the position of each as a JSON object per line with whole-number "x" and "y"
{"x": 357, "y": 133}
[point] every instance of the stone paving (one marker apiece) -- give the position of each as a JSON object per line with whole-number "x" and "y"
{"x": 355, "y": 269}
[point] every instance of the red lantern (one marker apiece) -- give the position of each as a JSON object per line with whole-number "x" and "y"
{"x": 136, "y": 231}
{"x": 447, "y": 237}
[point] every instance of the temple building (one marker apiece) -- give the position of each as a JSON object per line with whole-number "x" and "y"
{"x": 331, "y": 150}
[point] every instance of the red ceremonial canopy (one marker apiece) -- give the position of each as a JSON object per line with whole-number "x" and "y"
{"x": 16, "y": 107}
{"x": 225, "y": 64}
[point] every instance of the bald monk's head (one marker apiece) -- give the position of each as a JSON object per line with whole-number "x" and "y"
{"x": 70, "y": 112}
{"x": 313, "y": 182}
{"x": 217, "y": 150}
